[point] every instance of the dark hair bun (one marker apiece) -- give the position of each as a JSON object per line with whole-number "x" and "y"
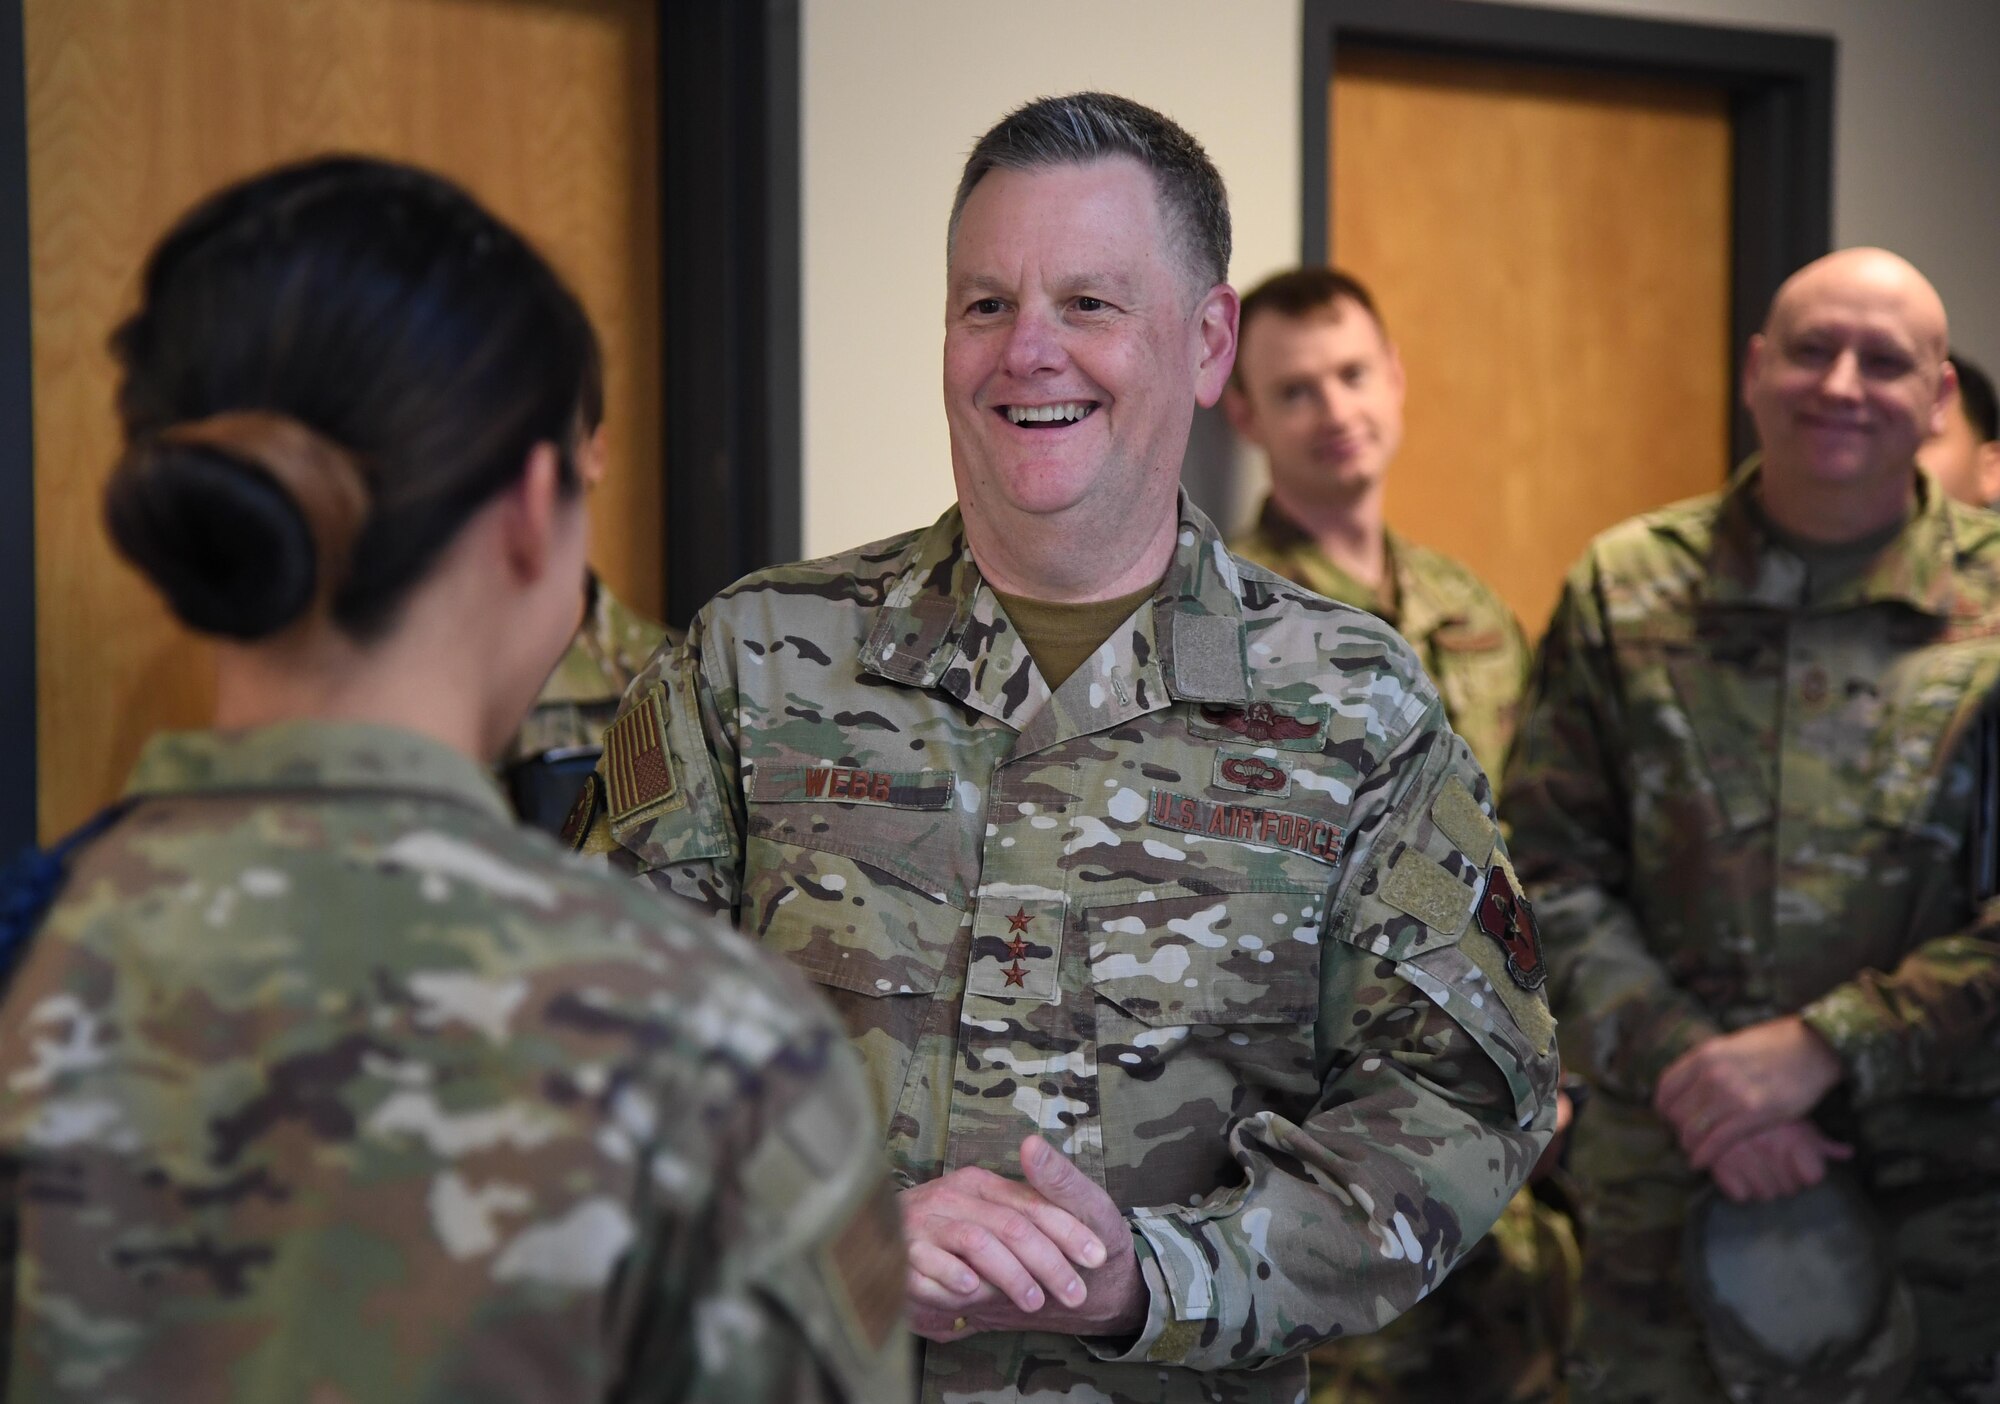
{"x": 225, "y": 544}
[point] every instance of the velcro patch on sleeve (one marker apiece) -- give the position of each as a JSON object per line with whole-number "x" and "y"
{"x": 1425, "y": 889}
{"x": 638, "y": 764}
{"x": 1529, "y": 1008}
{"x": 867, "y": 1264}
{"x": 1459, "y": 818}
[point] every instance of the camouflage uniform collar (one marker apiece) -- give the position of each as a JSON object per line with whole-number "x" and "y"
{"x": 939, "y": 600}
{"x": 303, "y": 756}
{"x": 1748, "y": 566}
{"x": 1409, "y": 608}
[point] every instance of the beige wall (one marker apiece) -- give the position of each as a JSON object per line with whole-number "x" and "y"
{"x": 896, "y": 91}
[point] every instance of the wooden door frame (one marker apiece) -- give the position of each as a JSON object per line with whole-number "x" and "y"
{"x": 18, "y": 741}
{"x": 730, "y": 294}
{"x": 1781, "y": 96}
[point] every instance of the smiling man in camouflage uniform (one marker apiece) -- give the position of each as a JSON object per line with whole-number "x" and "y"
{"x": 1168, "y": 913}
{"x": 1743, "y": 801}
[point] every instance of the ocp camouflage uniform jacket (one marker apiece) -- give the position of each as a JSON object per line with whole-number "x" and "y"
{"x": 1733, "y": 798}
{"x": 1469, "y": 641}
{"x": 321, "y": 1081}
{"x": 1101, "y": 915}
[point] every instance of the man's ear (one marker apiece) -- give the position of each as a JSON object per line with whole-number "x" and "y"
{"x": 1218, "y": 314}
{"x": 528, "y": 514}
{"x": 1753, "y": 362}
{"x": 1947, "y": 390}
{"x": 1987, "y": 472}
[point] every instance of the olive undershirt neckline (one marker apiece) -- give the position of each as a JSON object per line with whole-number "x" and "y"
{"x": 1060, "y": 636}
{"x": 1832, "y": 564}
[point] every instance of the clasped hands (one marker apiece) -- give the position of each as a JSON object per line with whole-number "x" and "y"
{"x": 1051, "y": 1253}
{"x": 1738, "y": 1104}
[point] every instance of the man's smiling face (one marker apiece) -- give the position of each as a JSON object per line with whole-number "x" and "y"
{"x": 1073, "y": 350}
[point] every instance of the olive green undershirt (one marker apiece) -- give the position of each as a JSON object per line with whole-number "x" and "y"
{"x": 1060, "y": 636}
{"x": 1830, "y": 565}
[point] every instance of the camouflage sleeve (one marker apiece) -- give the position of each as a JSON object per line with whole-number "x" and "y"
{"x": 1914, "y": 1030}
{"x": 689, "y": 839}
{"x": 1568, "y": 820}
{"x": 1437, "y": 1069}
{"x": 796, "y": 1287}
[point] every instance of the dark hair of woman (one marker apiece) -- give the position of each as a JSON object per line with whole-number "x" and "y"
{"x": 333, "y": 366}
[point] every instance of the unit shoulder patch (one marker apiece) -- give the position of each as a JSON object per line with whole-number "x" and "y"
{"x": 589, "y": 800}
{"x": 1504, "y": 915}
{"x": 638, "y": 764}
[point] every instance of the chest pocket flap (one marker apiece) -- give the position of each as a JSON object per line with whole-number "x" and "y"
{"x": 1223, "y": 958}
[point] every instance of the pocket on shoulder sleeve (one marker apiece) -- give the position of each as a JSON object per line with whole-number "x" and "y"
{"x": 663, "y": 790}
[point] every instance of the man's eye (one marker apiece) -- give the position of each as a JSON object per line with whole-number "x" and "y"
{"x": 988, "y": 306}
{"x": 1091, "y": 304}
{"x": 1812, "y": 353}
{"x": 1884, "y": 367}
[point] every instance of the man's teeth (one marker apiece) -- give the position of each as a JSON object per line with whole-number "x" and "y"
{"x": 1048, "y": 414}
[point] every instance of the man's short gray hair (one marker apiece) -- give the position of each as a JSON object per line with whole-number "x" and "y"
{"x": 1085, "y": 127}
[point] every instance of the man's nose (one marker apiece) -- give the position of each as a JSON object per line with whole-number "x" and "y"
{"x": 1033, "y": 344}
{"x": 1842, "y": 380}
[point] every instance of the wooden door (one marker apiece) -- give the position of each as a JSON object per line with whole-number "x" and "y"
{"x": 1550, "y": 249}
{"x": 545, "y": 109}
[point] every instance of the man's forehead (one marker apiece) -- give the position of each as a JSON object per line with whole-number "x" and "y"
{"x": 1315, "y": 329}
{"x": 1878, "y": 295}
{"x": 1064, "y": 205}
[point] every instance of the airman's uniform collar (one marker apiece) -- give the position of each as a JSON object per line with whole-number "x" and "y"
{"x": 312, "y": 756}
{"x": 941, "y": 626}
{"x": 1748, "y": 565}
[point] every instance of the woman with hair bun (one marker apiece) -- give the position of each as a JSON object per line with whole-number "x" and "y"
{"x": 319, "y": 1080}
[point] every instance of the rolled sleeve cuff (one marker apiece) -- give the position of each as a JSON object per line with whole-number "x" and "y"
{"x": 1180, "y": 1290}
{"x": 1866, "y": 1043}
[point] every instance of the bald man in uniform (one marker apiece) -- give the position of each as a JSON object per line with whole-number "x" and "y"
{"x": 1746, "y": 809}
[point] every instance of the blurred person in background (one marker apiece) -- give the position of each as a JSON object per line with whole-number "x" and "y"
{"x": 1964, "y": 455}
{"x": 1755, "y": 799}
{"x": 1319, "y": 387}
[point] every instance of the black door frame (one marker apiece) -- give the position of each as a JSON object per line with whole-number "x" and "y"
{"x": 730, "y": 293}
{"x": 1781, "y": 96}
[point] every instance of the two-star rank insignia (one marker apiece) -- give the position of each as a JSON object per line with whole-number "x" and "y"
{"x": 1504, "y": 914}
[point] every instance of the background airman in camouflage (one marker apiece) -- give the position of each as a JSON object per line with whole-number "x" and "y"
{"x": 1743, "y": 801}
{"x": 1319, "y": 387}
{"x": 1191, "y": 983}
{"x": 322, "y": 1080}
{"x": 550, "y": 756}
